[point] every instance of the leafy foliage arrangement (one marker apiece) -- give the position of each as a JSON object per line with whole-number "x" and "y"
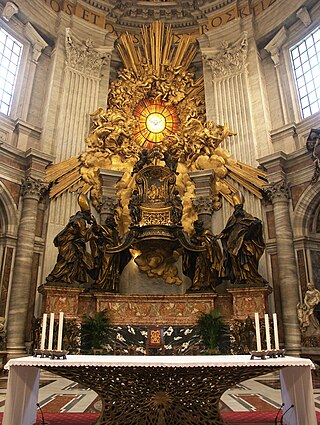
{"x": 95, "y": 331}
{"x": 215, "y": 333}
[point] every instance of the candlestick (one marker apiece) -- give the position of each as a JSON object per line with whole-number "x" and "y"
{"x": 268, "y": 341}
{"x": 60, "y": 330}
{"x": 50, "y": 342}
{"x": 258, "y": 338}
{"x": 44, "y": 331}
{"x": 275, "y": 331}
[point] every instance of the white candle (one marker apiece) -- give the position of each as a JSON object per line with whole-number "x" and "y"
{"x": 266, "y": 321}
{"x": 51, "y": 325}
{"x": 44, "y": 331}
{"x": 60, "y": 331}
{"x": 258, "y": 338}
{"x": 275, "y": 331}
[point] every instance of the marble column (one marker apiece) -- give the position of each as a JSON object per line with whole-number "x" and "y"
{"x": 288, "y": 275}
{"x": 205, "y": 202}
{"x": 109, "y": 199}
{"x": 31, "y": 190}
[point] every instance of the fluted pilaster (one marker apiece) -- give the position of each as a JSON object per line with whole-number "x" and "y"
{"x": 227, "y": 100}
{"x": 279, "y": 193}
{"x": 31, "y": 191}
{"x": 79, "y": 98}
{"x": 229, "y": 94}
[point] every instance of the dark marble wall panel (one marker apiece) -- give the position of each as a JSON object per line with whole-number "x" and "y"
{"x": 315, "y": 264}
{"x": 175, "y": 337}
{"x": 33, "y": 289}
{"x": 5, "y": 278}
{"x": 302, "y": 270}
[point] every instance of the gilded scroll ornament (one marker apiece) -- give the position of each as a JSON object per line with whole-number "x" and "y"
{"x": 160, "y": 262}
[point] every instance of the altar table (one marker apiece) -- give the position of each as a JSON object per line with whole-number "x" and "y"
{"x": 168, "y": 390}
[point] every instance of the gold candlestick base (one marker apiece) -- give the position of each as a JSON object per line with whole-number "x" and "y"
{"x": 263, "y": 354}
{"x": 52, "y": 354}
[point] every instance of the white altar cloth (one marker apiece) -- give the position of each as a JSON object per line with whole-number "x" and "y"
{"x": 23, "y": 381}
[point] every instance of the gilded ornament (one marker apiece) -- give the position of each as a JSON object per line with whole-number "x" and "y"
{"x": 156, "y": 102}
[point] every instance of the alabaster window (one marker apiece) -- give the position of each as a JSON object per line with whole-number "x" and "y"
{"x": 305, "y": 57}
{"x": 10, "y": 56}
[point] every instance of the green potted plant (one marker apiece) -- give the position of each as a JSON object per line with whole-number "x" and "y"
{"x": 95, "y": 331}
{"x": 214, "y": 332}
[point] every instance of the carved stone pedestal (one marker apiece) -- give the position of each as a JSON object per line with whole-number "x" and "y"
{"x": 58, "y": 298}
{"x": 247, "y": 301}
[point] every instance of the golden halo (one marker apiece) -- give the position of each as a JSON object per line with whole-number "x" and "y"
{"x": 156, "y": 121}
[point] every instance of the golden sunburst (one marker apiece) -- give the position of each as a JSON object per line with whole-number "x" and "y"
{"x": 156, "y": 122}
{"x": 156, "y": 100}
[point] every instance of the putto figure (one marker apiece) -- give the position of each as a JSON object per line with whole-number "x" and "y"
{"x": 134, "y": 207}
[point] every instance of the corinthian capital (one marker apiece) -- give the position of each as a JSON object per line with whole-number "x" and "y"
{"x": 84, "y": 57}
{"x": 32, "y": 188}
{"x": 229, "y": 60}
{"x": 278, "y": 190}
{"x": 108, "y": 205}
{"x": 204, "y": 205}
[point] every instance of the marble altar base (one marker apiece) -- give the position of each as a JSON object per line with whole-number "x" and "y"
{"x": 171, "y": 310}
